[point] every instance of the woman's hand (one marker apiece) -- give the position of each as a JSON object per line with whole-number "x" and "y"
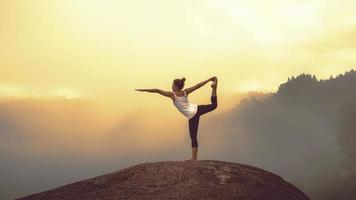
{"x": 141, "y": 90}
{"x": 213, "y": 78}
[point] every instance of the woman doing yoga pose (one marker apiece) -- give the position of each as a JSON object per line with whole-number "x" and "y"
{"x": 191, "y": 111}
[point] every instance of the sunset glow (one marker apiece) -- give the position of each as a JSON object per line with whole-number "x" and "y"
{"x": 69, "y": 70}
{"x": 104, "y": 50}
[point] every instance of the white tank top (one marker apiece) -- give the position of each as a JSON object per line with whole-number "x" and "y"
{"x": 183, "y": 105}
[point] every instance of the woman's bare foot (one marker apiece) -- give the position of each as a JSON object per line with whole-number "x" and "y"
{"x": 215, "y": 83}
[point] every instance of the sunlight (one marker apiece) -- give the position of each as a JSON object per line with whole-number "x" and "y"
{"x": 7, "y": 90}
{"x": 67, "y": 93}
{"x": 266, "y": 22}
{"x": 250, "y": 86}
{"x": 102, "y": 47}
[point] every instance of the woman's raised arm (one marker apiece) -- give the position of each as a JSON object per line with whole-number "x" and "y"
{"x": 197, "y": 86}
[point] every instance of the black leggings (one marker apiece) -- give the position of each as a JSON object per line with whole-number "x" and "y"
{"x": 194, "y": 121}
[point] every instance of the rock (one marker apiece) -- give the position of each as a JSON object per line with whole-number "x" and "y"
{"x": 201, "y": 180}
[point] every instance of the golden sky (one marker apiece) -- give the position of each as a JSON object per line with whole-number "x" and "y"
{"x": 105, "y": 49}
{"x": 94, "y": 53}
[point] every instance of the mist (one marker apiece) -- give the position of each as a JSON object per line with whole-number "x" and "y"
{"x": 45, "y": 143}
{"x": 304, "y": 132}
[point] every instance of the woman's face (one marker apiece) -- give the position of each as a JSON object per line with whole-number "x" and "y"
{"x": 173, "y": 87}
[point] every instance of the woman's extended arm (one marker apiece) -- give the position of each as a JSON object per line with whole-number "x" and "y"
{"x": 197, "y": 86}
{"x": 162, "y": 92}
{"x": 148, "y": 90}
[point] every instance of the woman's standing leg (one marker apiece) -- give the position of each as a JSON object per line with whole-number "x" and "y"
{"x": 193, "y": 131}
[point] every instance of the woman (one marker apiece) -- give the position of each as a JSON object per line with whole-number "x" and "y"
{"x": 189, "y": 110}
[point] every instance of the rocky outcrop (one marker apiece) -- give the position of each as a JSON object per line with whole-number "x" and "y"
{"x": 201, "y": 180}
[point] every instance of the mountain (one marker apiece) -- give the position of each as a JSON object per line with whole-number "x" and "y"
{"x": 205, "y": 179}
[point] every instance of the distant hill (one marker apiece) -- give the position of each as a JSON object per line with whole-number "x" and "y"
{"x": 181, "y": 180}
{"x": 308, "y": 125}
{"x": 339, "y": 89}
{"x": 334, "y": 99}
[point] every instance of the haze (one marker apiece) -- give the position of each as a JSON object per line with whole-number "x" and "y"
{"x": 68, "y": 109}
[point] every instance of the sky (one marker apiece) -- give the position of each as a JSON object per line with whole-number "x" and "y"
{"x": 69, "y": 69}
{"x": 103, "y": 50}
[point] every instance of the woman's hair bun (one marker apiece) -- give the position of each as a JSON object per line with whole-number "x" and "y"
{"x": 183, "y": 79}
